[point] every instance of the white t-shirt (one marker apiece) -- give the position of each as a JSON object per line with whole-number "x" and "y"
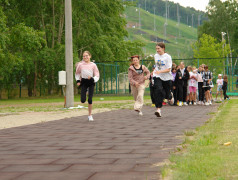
{"x": 163, "y": 62}
{"x": 192, "y": 82}
{"x": 219, "y": 82}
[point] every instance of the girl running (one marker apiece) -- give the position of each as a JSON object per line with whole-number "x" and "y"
{"x": 162, "y": 77}
{"x": 137, "y": 82}
{"x": 87, "y": 75}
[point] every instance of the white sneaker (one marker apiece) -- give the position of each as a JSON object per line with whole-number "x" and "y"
{"x": 158, "y": 113}
{"x": 180, "y": 103}
{"x": 140, "y": 113}
{"x": 206, "y": 104}
{"x": 194, "y": 103}
{"x": 210, "y": 103}
{"x": 203, "y": 103}
{"x": 185, "y": 103}
{"x": 199, "y": 102}
{"x": 190, "y": 103}
{"x": 90, "y": 118}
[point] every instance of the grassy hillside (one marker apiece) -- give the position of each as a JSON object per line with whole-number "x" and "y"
{"x": 177, "y": 46}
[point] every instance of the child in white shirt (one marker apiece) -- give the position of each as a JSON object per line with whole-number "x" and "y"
{"x": 193, "y": 85}
{"x": 219, "y": 86}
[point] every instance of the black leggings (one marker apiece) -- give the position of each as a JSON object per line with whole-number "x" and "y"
{"x": 200, "y": 91}
{"x": 225, "y": 95}
{"x": 152, "y": 94}
{"x": 162, "y": 90}
{"x": 84, "y": 87}
{"x": 180, "y": 92}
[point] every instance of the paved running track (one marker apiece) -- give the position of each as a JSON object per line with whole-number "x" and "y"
{"x": 118, "y": 145}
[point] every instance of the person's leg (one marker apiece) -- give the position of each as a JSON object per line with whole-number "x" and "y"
{"x": 180, "y": 93}
{"x": 199, "y": 91}
{"x": 83, "y": 92}
{"x": 90, "y": 99}
{"x": 167, "y": 89}
{"x": 159, "y": 95}
{"x": 140, "y": 98}
{"x": 134, "y": 92}
{"x": 152, "y": 94}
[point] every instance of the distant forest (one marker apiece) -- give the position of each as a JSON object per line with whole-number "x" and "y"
{"x": 174, "y": 11}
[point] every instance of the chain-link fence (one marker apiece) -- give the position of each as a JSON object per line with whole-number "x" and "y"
{"x": 114, "y": 78}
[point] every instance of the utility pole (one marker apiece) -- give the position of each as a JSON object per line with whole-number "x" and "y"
{"x": 178, "y": 19}
{"x": 168, "y": 11}
{"x": 199, "y": 16}
{"x": 145, "y": 5}
{"x": 154, "y": 20}
{"x": 69, "y": 54}
{"x": 166, "y": 18}
{"x": 139, "y": 18}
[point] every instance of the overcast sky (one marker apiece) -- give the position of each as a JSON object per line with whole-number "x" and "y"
{"x": 197, "y": 4}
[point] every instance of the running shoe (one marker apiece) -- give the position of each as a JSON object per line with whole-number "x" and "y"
{"x": 140, "y": 113}
{"x": 90, "y": 118}
{"x": 180, "y": 104}
{"x": 185, "y": 103}
{"x": 158, "y": 113}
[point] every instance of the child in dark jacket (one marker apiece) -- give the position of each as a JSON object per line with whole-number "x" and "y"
{"x": 224, "y": 87}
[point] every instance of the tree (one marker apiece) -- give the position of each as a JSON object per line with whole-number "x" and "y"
{"x": 208, "y": 47}
{"x": 223, "y": 17}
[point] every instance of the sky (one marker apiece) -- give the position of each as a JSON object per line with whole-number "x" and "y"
{"x": 196, "y": 4}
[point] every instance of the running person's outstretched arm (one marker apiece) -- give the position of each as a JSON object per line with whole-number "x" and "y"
{"x": 145, "y": 69}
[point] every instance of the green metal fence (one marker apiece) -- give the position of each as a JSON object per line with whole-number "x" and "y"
{"x": 114, "y": 77}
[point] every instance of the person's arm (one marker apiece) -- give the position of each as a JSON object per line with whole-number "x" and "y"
{"x": 163, "y": 71}
{"x": 147, "y": 72}
{"x": 130, "y": 76}
{"x": 187, "y": 75}
{"x": 96, "y": 74}
{"x": 77, "y": 75}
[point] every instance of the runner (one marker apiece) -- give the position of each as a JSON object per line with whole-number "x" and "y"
{"x": 162, "y": 77}
{"x": 87, "y": 75}
{"x": 137, "y": 81}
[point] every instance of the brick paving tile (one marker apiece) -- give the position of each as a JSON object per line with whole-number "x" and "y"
{"x": 55, "y": 176}
{"x": 118, "y": 145}
{"x": 7, "y": 176}
{"x": 33, "y": 168}
{"x": 126, "y": 176}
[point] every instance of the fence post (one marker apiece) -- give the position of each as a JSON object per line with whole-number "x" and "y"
{"x": 111, "y": 79}
{"x": 20, "y": 91}
{"x": 104, "y": 77}
{"x": 118, "y": 80}
{"x": 116, "y": 77}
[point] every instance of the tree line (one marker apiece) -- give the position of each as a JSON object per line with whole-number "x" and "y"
{"x": 32, "y": 39}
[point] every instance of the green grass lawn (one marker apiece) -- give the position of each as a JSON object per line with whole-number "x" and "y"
{"x": 204, "y": 155}
{"x": 177, "y": 47}
{"x": 57, "y": 103}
